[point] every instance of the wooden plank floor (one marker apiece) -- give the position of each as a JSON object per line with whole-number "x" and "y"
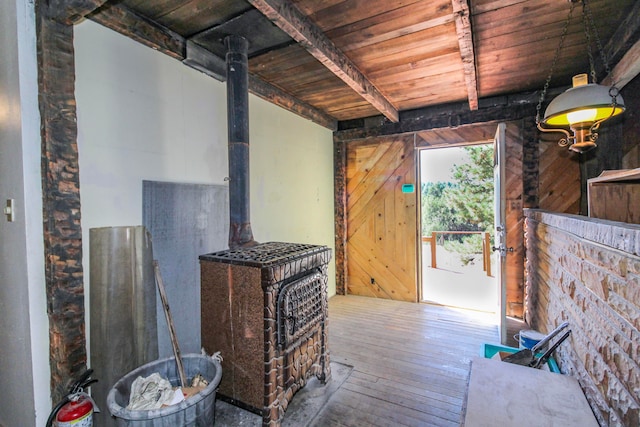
{"x": 410, "y": 361}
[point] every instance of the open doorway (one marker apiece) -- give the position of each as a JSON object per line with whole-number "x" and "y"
{"x": 457, "y": 227}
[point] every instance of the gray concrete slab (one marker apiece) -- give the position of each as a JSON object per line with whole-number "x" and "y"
{"x": 302, "y": 410}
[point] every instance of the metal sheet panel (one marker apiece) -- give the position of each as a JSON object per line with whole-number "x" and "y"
{"x": 122, "y": 305}
{"x": 185, "y": 220}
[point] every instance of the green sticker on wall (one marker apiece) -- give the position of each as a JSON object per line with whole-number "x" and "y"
{"x": 408, "y": 188}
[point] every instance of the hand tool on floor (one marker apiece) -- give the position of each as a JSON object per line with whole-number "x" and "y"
{"x": 527, "y": 357}
{"x": 543, "y": 359}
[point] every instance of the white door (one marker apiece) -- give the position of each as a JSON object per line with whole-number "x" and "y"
{"x": 500, "y": 220}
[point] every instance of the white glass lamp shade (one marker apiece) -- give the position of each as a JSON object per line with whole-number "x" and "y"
{"x": 582, "y": 104}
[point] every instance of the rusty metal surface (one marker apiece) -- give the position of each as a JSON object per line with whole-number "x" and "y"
{"x": 272, "y": 295}
{"x": 240, "y": 233}
{"x": 265, "y": 254}
{"x": 301, "y": 305}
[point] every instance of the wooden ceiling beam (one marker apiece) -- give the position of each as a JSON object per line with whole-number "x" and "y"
{"x": 286, "y": 16}
{"x": 450, "y": 116}
{"x": 275, "y": 95}
{"x": 624, "y": 50}
{"x": 462, "y": 18}
{"x": 627, "y": 34}
{"x": 126, "y": 22}
{"x": 214, "y": 66}
{"x": 71, "y": 12}
{"x": 625, "y": 70}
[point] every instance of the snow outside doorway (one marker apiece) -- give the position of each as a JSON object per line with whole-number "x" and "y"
{"x": 457, "y": 204}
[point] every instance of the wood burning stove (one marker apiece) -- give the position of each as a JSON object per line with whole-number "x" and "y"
{"x": 264, "y": 306}
{"x": 265, "y": 309}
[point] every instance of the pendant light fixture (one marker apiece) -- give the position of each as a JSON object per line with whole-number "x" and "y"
{"x": 583, "y": 107}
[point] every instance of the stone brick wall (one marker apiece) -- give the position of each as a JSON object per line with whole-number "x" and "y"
{"x": 587, "y": 272}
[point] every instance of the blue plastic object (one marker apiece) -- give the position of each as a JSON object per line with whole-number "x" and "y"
{"x": 490, "y": 350}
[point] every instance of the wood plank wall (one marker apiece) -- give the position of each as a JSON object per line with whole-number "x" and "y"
{"x": 587, "y": 272}
{"x": 559, "y": 171}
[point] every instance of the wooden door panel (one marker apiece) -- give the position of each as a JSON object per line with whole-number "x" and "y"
{"x": 364, "y": 159}
{"x": 368, "y": 178}
{"x": 381, "y": 220}
{"x": 386, "y": 177}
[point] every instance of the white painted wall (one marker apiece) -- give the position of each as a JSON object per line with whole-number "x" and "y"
{"x": 145, "y": 116}
{"x": 24, "y": 336}
{"x": 291, "y": 179}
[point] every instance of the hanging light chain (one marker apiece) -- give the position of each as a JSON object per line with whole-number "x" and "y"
{"x": 587, "y": 34}
{"x": 603, "y": 57}
{"x": 554, "y": 63}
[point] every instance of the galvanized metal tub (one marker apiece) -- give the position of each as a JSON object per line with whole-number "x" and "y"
{"x": 197, "y": 411}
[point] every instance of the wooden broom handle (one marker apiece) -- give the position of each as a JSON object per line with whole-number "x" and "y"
{"x": 172, "y": 331}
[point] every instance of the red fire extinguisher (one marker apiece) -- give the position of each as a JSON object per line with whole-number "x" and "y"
{"x": 78, "y": 412}
{"x": 77, "y": 408}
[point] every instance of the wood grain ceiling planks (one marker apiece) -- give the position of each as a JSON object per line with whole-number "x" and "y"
{"x": 307, "y": 33}
{"x": 412, "y": 53}
{"x": 516, "y": 41}
{"x": 188, "y": 17}
{"x": 381, "y": 39}
{"x": 463, "y": 135}
{"x": 300, "y": 74}
{"x": 349, "y": 12}
{"x": 396, "y": 23}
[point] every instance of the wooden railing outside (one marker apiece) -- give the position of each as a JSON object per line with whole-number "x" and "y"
{"x": 486, "y": 247}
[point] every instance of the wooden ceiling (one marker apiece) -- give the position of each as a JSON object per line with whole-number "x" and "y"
{"x": 338, "y": 60}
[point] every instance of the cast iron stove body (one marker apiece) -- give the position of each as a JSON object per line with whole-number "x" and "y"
{"x": 265, "y": 309}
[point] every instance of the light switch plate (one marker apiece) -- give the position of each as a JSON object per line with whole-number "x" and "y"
{"x": 9, "y": 210}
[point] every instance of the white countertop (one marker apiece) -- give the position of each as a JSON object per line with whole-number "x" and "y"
{"x": 502, "y": 394}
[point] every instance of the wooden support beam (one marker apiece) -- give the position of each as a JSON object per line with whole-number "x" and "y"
{"x": 277, "y": 96}
{"x": 627, "y": 69}
{"x": 626, "y": 36}
{"x": 205, "y": 61}
{"x": 71, "y": 12}
{"x": 465, "y": 41}
{"x": 434, "y": 248}
{"x": 64, "y": 277}
{"x": 126, "y": 22}
{"x": 530, "y": 163}
{"x": 623, "y": 50}
{"x": 340, "y": 214}
{"x": 444, "y": 116}
{"x": 286, "y": 16}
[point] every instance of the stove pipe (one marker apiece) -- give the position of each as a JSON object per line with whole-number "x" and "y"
{"x": 240, "y": 234}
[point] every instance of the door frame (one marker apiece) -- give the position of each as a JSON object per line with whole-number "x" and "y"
{"x": 418, "y": 162}
{"x": 499, "y": 221}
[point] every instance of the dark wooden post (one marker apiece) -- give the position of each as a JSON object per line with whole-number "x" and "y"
{"x": 240, "y": 233}
{"x": 340, "y": 212}
{"x": 530, "y": 163}
{"x": 61, "y": 201}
